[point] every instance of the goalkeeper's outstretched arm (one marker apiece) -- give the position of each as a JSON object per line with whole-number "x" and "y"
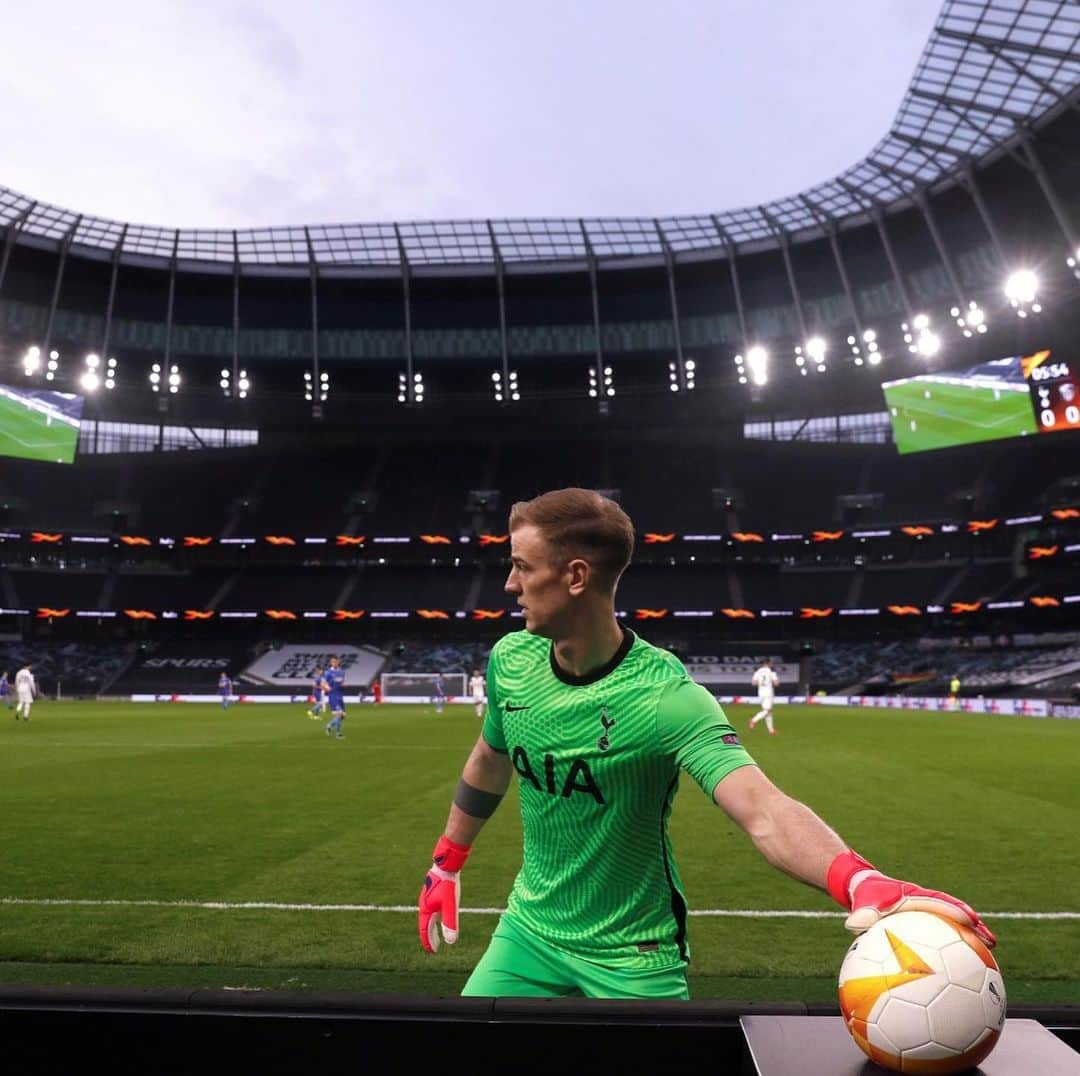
{"x": 795, "y": 840}
{"x": 483, "y": 784}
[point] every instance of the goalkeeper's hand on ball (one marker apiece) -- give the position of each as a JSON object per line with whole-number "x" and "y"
{"x": 440, "y": 894}
{"x": 870, "y": 895}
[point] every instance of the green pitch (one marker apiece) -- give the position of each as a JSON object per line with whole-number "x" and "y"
{"x": 142, "y": 843}
{"x": 933, "y": 415}
{"x": 29, "y": 434}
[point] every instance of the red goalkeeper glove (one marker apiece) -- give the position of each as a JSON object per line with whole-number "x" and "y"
{"x": 440, "y": 894}
{"x": 870, "y": 895}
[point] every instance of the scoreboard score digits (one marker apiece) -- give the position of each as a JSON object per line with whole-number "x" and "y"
{"x": 1054, "y": 389}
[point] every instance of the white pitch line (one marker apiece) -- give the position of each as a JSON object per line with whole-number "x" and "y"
{"x": 276, "y": 906}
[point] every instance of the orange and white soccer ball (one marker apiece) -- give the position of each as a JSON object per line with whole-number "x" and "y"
{"x": 922, "y": 994}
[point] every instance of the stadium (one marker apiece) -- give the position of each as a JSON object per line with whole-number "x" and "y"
{"x": 843, "y": 425}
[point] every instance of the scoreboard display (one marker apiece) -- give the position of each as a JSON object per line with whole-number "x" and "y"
{"x": 1054, "y": 388}
{"x": 1018, "y": 396}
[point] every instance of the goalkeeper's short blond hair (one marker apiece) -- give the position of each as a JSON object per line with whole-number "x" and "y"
{"x": 581, "y": 523}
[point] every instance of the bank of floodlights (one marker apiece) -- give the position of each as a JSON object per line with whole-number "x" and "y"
{"x": 971, "y": 319}
{"x": 31, "y": 361}
{"x": 920, "y": 337}
{"x": 811, "y": 355}
{"x": 1022, "y": 291}
{"x": 865, "y": 350}
{"x": 507, "y": 391}
{"x": 689, "y": 373}
{"x": 1073, "y": 262}
{"x": 90, "y": 381}
{"x": 310, "y": 390}
{"x": 52, "y": 367}
{"x": 160, "y": 381}
{"x": 754, "y": 368}
{"x": 404, "y": 386}
{"x": 604, "y": 387}
{"x": 243, "y": 384}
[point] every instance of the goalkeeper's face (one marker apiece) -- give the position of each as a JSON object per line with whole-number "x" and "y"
{"x": 540, "y": 582}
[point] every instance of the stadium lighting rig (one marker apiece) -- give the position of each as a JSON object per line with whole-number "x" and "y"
{"x": 755, "y": 367}
{"x": 595, "y": 388}
{"x": 410, "y": 392}
{"x": 31, "y": 361}
{"x": 869, "y": 343}
{"x": 1073, "y": 262}
{"x": 813, "y": 351}
{"x": 243, "y": 384}
{"x": 971, "y": 320}
{"x": 52, "y": 366}
{"x": 323, "y": 391}
{"x": 509, "y": 391}
{"x": 90, "y": 381}
{"x": 690, "y": 370}
{"x": 920, "y": 337}
{"x": 158, "y": 379}
{"x": 1022, "y": 291}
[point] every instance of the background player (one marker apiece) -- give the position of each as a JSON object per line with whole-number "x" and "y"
{"x": 334, "y": 678}
{"x": 26, "y": 691}
{"x": 477, "y": 688}
{"x": 318, "y": 694}
{"x": 439, "y": 698}
{"x": 225, "y": 689}
{"x": 5, "y": 690}
{"x": 766, "y": 681}
{"x": 598, "y": 724}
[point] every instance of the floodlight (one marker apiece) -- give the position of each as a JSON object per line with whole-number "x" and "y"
{"x": 757, "y": 359}
{"x": 1022, "y": 287}
{"x": 816, "y": 348}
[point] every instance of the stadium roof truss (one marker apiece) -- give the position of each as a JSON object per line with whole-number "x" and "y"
{"x": 990, "y": 70}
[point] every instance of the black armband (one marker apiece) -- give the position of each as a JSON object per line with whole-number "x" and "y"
{"x": 475, "y": 801}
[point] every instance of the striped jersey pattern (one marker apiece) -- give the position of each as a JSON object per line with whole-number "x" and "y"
{"x": 598, "y": 760}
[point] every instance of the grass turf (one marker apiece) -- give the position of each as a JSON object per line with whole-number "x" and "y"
{"x": 955, "y": 415}
{"x": 185, "y": 803}
{"x": 27, "y": 434}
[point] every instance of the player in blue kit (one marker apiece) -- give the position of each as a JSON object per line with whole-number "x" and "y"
{"x": 225, "y": 688}
{"x": 439, "y": 698}
{"x": 5, "y": 690}
{"x": 318, "y": 694}
{"x": 335, "y": 697}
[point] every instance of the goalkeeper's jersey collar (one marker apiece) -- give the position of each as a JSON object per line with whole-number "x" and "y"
{"x": 600, "y": 671}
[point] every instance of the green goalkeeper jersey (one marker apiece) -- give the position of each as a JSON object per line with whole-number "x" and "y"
{"x": 598, "y": 759}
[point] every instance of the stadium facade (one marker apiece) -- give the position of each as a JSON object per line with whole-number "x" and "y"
{"x": 440, "y": 370}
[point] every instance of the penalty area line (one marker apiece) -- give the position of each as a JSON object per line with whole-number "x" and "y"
{"x": 281, "y": 906}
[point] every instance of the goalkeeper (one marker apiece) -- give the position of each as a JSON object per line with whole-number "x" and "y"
{"x": 597, "y": 724}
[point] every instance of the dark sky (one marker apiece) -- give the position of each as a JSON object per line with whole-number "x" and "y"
{"x": 193, "y": 113}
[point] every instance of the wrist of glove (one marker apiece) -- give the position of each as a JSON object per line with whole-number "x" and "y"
{"x": 440, "y": 894}
{"x": 869, "y": 895}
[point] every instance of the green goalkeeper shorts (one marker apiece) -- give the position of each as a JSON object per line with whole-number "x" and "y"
{"x": 517, "y": 964}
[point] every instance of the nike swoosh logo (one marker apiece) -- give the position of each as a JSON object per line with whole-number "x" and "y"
{"x": 512, "y": 709}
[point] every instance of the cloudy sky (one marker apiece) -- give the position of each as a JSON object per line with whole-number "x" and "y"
{"x": 193, "y": 113}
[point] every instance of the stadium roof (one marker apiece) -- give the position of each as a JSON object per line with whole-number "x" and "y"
{"x": 990, "y": 70}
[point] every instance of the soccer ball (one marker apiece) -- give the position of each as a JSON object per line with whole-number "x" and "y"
{"x": 921, "y": 993}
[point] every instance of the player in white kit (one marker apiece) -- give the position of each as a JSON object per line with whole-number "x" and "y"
{"x": 25, "y": 692}
{"x": 478, "y": 688}
{"x": 766, "y": 681}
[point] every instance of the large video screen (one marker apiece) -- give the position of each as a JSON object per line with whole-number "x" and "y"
{"x": 38, "y": 424}
{"x": 1011, "y": 397}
